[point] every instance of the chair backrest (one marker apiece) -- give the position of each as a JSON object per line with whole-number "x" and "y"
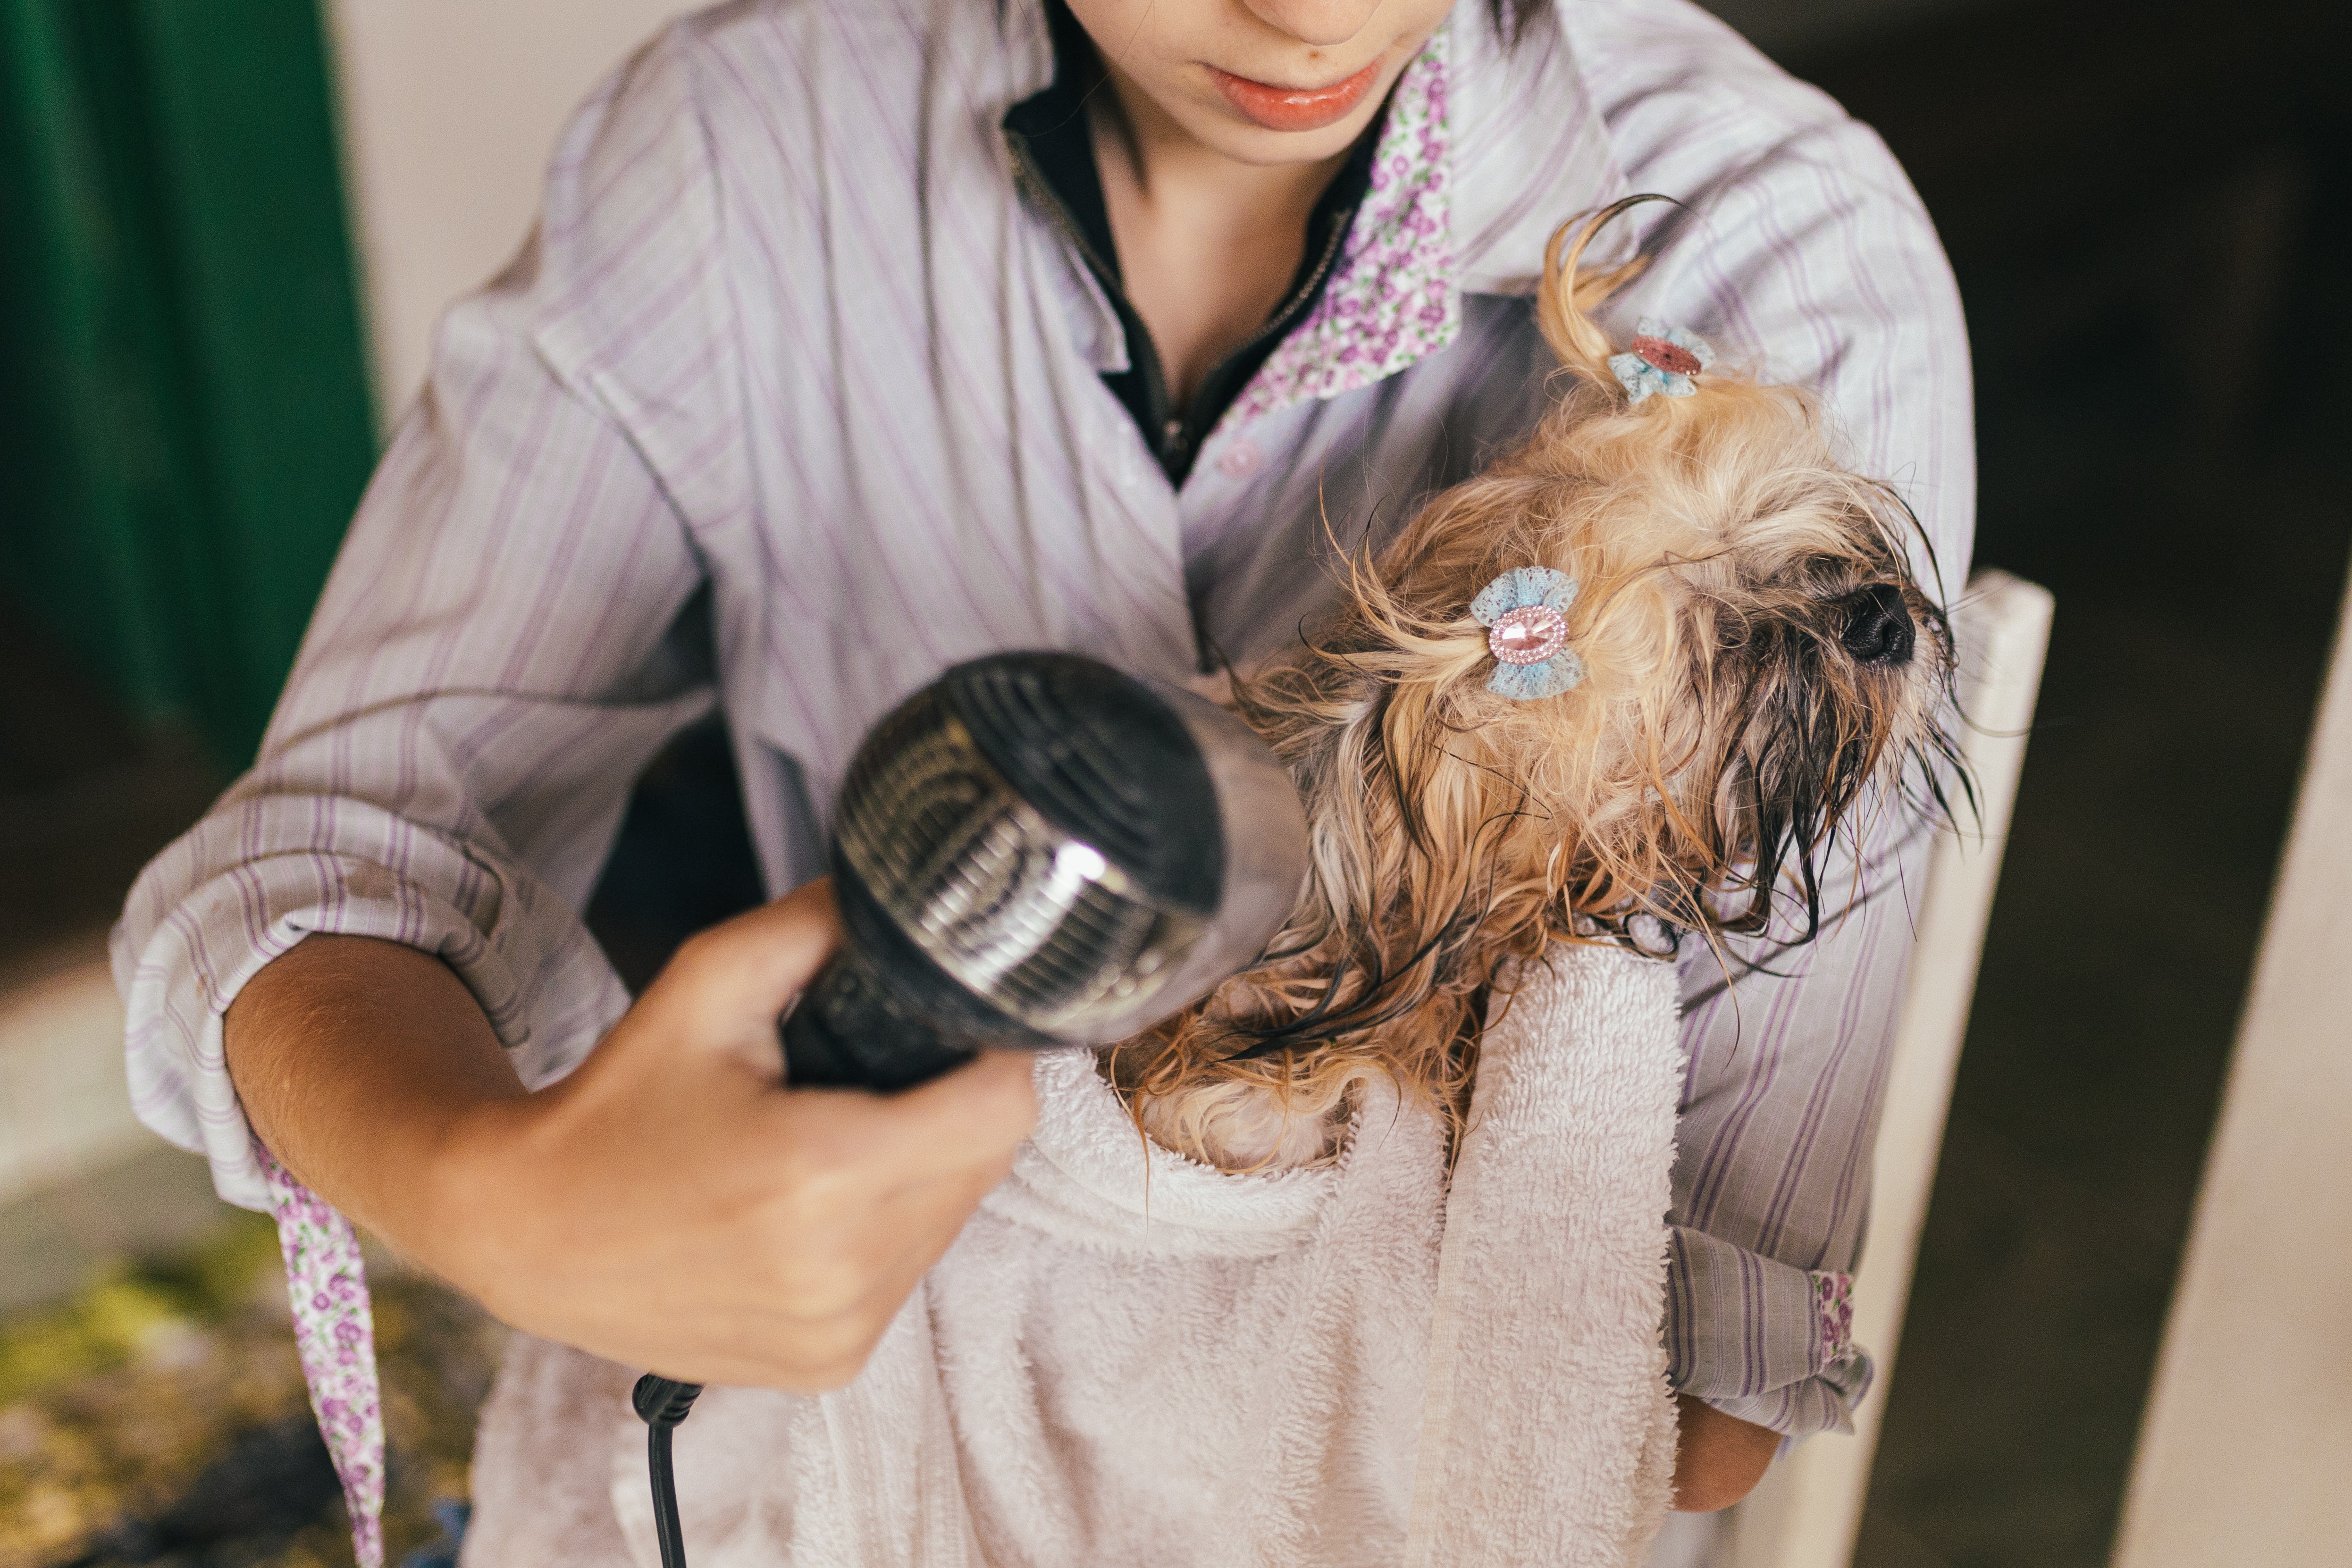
{"x": 1808, "y": 1510}
{"x": 2244, "y": 1447}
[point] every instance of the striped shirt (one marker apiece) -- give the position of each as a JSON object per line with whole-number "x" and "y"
{"x": 796, "y": 397}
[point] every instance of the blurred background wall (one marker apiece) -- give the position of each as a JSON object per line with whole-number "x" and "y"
{"x": 450, "y": 110}
{"x": 184, "y": 425}
{"x": 227, "y": 227}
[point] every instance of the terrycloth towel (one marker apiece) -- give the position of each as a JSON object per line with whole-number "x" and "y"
{"x": 1129, "y": 1357}
{"x": 1550, "y": 1437}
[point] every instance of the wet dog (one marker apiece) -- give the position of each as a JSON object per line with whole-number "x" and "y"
{"x": 1627, "y": 684}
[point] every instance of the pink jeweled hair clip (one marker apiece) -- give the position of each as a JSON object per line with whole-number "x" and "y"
{"x": 1665, "y": 360}
{"x": 1525, "y": 612}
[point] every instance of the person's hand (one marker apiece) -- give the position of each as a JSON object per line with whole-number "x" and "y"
{"x": 1718, "y": 1458}
{"x": 673, "y": 1206}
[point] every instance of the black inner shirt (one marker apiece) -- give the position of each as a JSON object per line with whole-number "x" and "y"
{"x": 1052, "y": 140}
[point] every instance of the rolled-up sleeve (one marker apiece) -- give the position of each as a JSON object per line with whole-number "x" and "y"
{"x": 1798, "y": 1369}
{"x": 1817, "y": 266}
{"x": 506, "y": 638}
{"x": 1788, "y": 1049}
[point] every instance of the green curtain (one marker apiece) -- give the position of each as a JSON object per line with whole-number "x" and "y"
{"x": 184, "y": 424}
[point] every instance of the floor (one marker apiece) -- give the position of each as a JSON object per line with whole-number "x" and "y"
{"x": 154, "y": 1414}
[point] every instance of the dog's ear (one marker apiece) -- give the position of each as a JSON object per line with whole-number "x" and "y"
{"x": 1810, "y": 710}
{"x": 1792, "y": 760}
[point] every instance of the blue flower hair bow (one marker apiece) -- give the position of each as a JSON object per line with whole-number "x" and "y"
{"x": 1526, "y": 615}
{"x": 1663, "y": 359}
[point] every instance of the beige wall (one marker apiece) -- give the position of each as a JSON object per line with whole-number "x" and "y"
{"x": 2246, "y": 1454}
{"x": 450, "y": 108}
{"x": 64, "y": 1107}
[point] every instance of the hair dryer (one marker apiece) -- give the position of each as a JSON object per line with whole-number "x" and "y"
{"x": 1035, "y": 850}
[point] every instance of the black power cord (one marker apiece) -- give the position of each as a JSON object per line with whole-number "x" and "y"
{"x": 662, "y": 1404}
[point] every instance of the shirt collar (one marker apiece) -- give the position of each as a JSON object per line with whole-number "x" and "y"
{"x": 1392, "y": 299}
{"x": 1052, "y": 123}
{"x": 1053, "y": 140}
{"x": 1489, "y": 146}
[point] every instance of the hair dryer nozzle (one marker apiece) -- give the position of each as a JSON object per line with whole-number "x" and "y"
{"x": 1037, "y": 850}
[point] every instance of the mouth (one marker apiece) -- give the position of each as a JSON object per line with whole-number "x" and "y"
{"x": 1293, "y": 107}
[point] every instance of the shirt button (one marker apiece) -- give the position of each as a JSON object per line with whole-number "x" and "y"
{"x": 1241, "y": 460}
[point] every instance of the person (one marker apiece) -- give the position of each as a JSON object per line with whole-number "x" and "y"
{"x": 859, "y": 339}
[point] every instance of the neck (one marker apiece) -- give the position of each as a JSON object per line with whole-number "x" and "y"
{"x": 1208, "y": 245}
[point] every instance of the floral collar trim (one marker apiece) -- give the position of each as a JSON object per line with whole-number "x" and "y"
{"x": 1393, "y": 298}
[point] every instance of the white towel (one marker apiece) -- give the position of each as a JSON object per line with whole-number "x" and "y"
{"x": 1128, "y": 1357}
{"x": 1551, "y": 1435}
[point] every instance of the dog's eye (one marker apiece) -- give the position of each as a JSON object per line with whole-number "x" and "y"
{"x": 1878, "y": 629}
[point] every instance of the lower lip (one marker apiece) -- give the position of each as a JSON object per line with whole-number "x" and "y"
{"x": 1291, "y": 108}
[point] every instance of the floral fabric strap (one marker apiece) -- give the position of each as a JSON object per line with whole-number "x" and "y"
{"x": 1833, "y": 1303}
{"x": 334, "y": 1331}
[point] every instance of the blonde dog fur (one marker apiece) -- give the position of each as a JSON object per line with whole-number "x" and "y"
{"x": 1761, "y": 661}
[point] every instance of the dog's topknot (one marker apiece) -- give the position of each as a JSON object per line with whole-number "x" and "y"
{"x": 1758, "y": 659}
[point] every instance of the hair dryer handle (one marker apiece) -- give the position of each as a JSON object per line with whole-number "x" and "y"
{"x": 847, "y": 1033}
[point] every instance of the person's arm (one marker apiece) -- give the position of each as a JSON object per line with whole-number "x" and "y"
{"x": 372, "y": 947}
{"x": 1802, "y": 251}
{"x": 1788, "y": 1048}
{"x": 1718, "y": 1458}
{"x": 510, "y": 634}
{"x": 669, "y": 1205}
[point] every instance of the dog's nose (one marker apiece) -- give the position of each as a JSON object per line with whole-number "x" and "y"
{"x": 1878, "y": 629}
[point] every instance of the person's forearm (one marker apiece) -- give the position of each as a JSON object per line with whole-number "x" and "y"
{"x": 671, "y": 1204}
{"x": 356, "y": 1061}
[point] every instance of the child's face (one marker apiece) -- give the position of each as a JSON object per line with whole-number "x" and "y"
{"x": 1264, "y": 81}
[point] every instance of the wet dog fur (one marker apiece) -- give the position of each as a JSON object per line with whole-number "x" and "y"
{"x": 1762, "y": 669}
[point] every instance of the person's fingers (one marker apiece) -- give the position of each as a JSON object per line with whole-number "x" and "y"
{"x": 820, "y": 1313}
{"x": 973, "y": 1116}
{"x": 919, "y": 1226}
{"x": 741, "y": 974}
{"x": 920, "y": 1222}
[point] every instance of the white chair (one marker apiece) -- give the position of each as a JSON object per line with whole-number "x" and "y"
{"x": 1808, "y": 1510}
